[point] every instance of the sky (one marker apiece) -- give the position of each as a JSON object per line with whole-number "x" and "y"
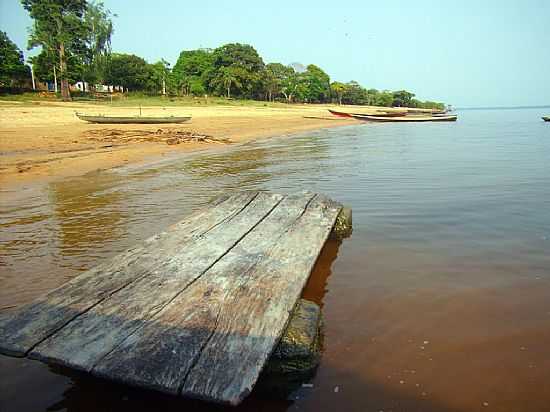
{"x": 465, "y": 53}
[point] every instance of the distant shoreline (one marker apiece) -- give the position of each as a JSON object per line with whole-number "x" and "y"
{"x": 503, "y": 107}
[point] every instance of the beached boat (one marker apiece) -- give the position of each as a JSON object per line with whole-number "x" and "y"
{"x": 546, "y": 118}
{"x": 380, "y": 113}
{"x": 341, "y": 114}
{"x": 406, "y": 118}
{"x": 424, "y": 111}
{"x": 132, "y": 119}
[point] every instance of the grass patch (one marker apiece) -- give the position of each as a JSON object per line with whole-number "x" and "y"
{"x": 134, "y": 99}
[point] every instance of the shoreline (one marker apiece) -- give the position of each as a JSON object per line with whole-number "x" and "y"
{"x": 41, "y": 143}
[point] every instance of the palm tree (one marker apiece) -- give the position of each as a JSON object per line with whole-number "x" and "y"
{"x": 227, "y": 77}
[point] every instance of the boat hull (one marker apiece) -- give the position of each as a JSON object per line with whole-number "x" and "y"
{"x": 340, "y": 114}
{"x": 133, "y": 119}
{"x": 406, "y": 119}
{"x": 381, "y": 114}
{"x": 546, "y": 118}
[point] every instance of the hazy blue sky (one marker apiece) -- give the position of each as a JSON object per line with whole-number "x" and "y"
{"x": 468, "y": 53}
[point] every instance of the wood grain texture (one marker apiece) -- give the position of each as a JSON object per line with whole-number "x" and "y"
{"x": 161, "y": 354}
{"x": 22, "y": 330}
{"x": 92, "y": 335}
{"x": 195, "y": 311}
{"x": 256, "y": 314}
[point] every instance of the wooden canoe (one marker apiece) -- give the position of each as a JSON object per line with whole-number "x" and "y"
{"x": 406, "y": 118}
{"x": 546, "y": 118}
{"x": 425, "y": 111}
{"x": 132, "y": 119}
{"x": 341, "y": 114}
{"x": 378, "y": 113}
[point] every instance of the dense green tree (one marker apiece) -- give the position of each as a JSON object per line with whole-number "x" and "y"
{"x": 98, "y": 30}
{"x": 197, "y": 87}
{"x": 274, "y": 77}
{"x": 355, "y": 94}
{"x": 402, "y": 98}
{"x": 301, "y": 91}
{"x": 12, "y": 64}
{"x": 127, "y": 70}
{"x": 46, "y": 63}
{"x": 229, "y": 77}
{"x": 371, "y": 96}
{"x": 243, "y": 63}
{"x": 384, "y": 98}
{"x": 338, "y": 89}
{"x": 317, "y": 84}
{"x": 192, "y": 72}
{"x": 293, "y": 85}
{"x": 58, "y": 27}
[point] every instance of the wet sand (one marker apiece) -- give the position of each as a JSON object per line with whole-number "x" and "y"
{"x": 41, "y": 142}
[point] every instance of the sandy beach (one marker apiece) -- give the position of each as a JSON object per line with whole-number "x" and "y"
{"x": 42, "y": 141}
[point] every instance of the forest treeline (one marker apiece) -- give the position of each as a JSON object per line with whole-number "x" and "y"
{"x": 75, "y": 41}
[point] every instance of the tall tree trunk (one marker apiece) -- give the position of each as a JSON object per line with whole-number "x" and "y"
{"x": 65, "y": 92}
{"x": 229, "y": 91}
{"x": 54, "y": 80}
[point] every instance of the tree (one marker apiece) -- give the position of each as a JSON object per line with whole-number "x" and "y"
{"x": 270, "y": 84}
{"x": 242, "y": 62}
{"x": 228, "y": 77}
{"x": 193, "y": 71}
{"x": 99, "y": 29}
{"x": 355, "y": 94}
{"x": 338, "y": 89}
{"x": 384, "y": 98}
{"x": 318, "y": 84}
{"x": 58, "y": 27}
{"x": 46, "y": 63}
{"x": 158, "y": 74}
{"x": 127, "y": 70}
{"x": 290, "y": 84}
{"x": 371, "y": 96}
{"x": 12, "y": 65}
{"x": 402, "y": 98}
{"x": 274, "y": 77}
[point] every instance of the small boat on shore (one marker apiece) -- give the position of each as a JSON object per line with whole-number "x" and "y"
{"x": 546, "y": 118}
{"x": 340, "y": 114}
{"x": 380, "y": 113}
{"x": 367, "y": 118}
{"x": 132, "y": 119}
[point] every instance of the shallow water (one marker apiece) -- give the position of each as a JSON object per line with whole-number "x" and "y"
{"x": 440, "y": 301}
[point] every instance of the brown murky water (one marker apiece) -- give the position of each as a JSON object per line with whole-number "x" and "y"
{"x": 440, "y": 301}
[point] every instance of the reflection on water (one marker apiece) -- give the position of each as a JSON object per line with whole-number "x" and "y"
{"x": 438, "y": 303}
{"x": 80, "y": 201}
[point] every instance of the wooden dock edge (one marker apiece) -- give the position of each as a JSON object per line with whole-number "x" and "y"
{"x": 298, "y": 354}
{"x": 310, "y": 358}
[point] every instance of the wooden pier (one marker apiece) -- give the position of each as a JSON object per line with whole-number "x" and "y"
{"x": 194, "y": 311}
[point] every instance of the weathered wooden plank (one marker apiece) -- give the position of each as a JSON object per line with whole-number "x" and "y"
{"x": 161, "y": 353}
{"x": 84, "y": 341}
{"x": 254, "y": 315}
{"x": 22, "y": 330}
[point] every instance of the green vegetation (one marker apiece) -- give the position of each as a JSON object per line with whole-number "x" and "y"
{"x": 127, "y": 70}
{"x": 75, "y": 37}
{"x": 59, "y": 29}
{"x": 12, "y": 67}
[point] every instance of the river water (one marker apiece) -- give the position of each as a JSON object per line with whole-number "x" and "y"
{"x": 440, "y": 300}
